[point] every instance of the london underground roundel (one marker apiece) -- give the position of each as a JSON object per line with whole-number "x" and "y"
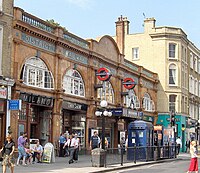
{"x": 103, "y": 74}
{"x": 129, "y": 83}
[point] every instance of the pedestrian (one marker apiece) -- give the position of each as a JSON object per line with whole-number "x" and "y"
{"x": 77, "y": 147}
{"x": 29, "y": 154}
{"x": 123, "y": 144}
{"x": 194, "y": 158}
{"x": 66, "y": 148}
{"x": 71, "y": 143}
{"x": 62, "y": 141}
{"x": 21, "y": 151}
{"x": 94, "y": 141}
{"x": 179, "y": 144}
{"x": 187, "y": 145}
{"x": 38, "y": 151}
{"x": 126, "y": 143}
{"x": 7, "y": 152}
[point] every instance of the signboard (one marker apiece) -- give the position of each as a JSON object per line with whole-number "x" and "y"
{"x": 116, "y": 111}
{"x": 3, "y": 93}
{"x": 14, "y": 104}
{"x": 129, "y": 83}
{"x": 148, "y": 118}
{"x": 36, "y": 99}
{"x": 74, "y": 106}
{"x": 48, "y": 154}
{"x": 103, "y": 74}
{"x": 157, "y": 128}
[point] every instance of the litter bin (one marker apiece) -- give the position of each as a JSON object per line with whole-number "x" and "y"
{"x": 98, "y": 157}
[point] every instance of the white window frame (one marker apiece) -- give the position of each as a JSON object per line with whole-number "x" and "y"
{"x": 186, "y": 77}
{"x": 186, "y": 104}
{"x": 199, "y": 88}
{"x": 1, "y": 5}
{"x": 172, "y": 52}
{"x": 196, "y": 87}
{"x": 172, "y": 102}
{"x": 106, "y": 93}
{"x": 185, "y": 55}
{"x": 37, "y": 76}
{"x": 73, "y": 83}
{"x": 148, "y": 104}
{"x": 191, "y": 60}
{"x": 199, "y": 66}
{"x": 135, "y": 53}
{"x": 136, "y": 102}
{"x": 195, "y": 64}
{"x": 172, "y": 74}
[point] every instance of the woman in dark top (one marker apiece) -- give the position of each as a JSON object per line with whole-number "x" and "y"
{"x": 8, "y": 150}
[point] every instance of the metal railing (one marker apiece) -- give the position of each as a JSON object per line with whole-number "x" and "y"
{"x": 138, "y": 154}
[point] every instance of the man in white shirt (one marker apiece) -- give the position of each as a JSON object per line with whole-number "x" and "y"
{"x": 179, "y": 143}
{"x": 71, "y": 143}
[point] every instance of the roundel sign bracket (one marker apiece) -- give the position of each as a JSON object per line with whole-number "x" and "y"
{"x": 103, "y": 74}
{"x": 129, "y": 83}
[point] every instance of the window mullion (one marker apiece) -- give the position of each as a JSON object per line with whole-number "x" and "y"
{"x": 43, "y": 78}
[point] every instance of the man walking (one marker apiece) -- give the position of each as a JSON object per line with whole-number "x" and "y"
{"x": 71, "y": 143}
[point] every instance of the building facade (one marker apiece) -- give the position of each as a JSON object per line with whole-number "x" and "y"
{"x": 6, "y": 17}
{"x": 55, "y": 75}
{"x": 194, "y": 90}
{"x": 166, "y": 51}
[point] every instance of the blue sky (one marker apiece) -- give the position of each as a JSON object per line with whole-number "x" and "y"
{"x": 93, "y": 18}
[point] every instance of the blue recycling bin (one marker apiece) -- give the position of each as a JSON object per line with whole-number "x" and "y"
{"x": 140, "y": 136}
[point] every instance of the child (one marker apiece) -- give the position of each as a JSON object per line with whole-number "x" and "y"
{"x": 28, "y": 154}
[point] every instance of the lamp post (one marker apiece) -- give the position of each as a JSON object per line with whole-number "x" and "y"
{"x": 103, "y": 113}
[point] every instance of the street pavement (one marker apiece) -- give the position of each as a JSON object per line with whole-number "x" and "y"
{"x": 176, "y": 166}
{"x": 84, "y": 165}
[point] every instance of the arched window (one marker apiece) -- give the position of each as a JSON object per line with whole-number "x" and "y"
{"x": 36, "y": 73}
{"x": 172, "y": 74}
{"x": 106, "y": 93}
{"x": 131, "y": 100}
{"x": 148, "y": 104}
{"x": 73, "y": 83}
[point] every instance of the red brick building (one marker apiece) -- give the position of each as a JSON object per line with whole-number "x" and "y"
{"x": 55, "y": 76}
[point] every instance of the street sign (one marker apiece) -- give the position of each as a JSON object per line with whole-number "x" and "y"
{"x": 14, "y": 104}
{"x": 103, "y": 74}
{"x": 129, "y": 83}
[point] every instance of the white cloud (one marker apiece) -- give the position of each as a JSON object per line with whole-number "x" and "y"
{"x": 84, "y": 4}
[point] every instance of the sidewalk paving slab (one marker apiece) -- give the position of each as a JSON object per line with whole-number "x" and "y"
{"x": 84, "y": 165}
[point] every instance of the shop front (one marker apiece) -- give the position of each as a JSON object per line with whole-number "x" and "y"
{"x": 35, "y": 116}
{"x": 74, "y": 120}
{"x": 2, "y": 115}
{"x": 124, "y": 116}
{"x": 5, "y": 95}
{"x": 180, "y": 126}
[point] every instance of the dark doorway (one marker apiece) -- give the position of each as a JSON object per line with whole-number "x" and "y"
{"x": 33, "y": 132}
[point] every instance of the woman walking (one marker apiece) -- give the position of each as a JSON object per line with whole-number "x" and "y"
{"x": 8, "y": 150}
{"x": 194, "y": 158}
